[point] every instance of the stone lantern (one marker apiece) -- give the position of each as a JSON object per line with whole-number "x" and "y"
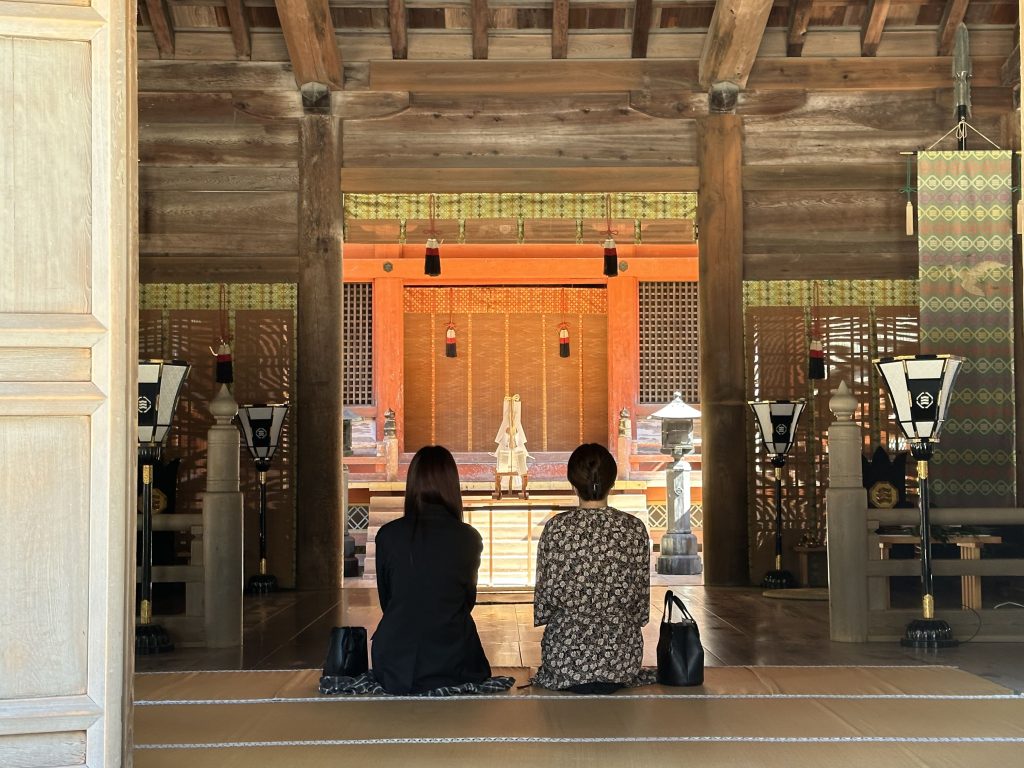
{"x": 678, "y": 545}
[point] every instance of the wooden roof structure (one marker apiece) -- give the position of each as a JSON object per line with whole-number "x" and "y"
{"x": 536, "y": 29}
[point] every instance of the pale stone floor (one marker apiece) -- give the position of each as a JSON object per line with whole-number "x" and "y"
{"x": 289, "y": 630}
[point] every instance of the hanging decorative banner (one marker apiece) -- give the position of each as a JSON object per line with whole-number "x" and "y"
{"x": 965, "y": 244}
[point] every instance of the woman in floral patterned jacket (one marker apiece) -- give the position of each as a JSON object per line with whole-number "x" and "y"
{"x": 593, "y": 586}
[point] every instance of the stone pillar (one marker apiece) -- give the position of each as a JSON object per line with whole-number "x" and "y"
{"x": 223, "y": 576}
{"x": 846, "y": 504}
{"x": 624, "y": 446}
{"x": 390, "y": 446}
{"x": 678, "y": 545}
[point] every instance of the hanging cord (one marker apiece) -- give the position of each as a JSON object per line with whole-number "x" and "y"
{"x": 609, "y": 232}
{"x": 959, "y": 130}
{"x": 909, "y": 190}
{"x": 225, "y": 369}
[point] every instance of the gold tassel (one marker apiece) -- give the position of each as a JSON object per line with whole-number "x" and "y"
{"x": 910, "y": 218}
{"x": 1020, "y": 216}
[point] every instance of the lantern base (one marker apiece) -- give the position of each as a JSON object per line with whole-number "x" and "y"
{"x": 152, "y": 638}
{"x": 928, "y": 633}
{"x": 261, "y": 584}
{"x": 778, "y": 580}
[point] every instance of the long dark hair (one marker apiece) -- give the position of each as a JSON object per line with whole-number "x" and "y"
{"x": 433, "y": 479}
{"x": 592, "y": 471}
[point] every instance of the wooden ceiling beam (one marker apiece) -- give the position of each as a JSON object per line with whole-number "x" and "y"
{"x": 163, "y": 30}
{"x": 643, "y": 13}
{"x": 799, "y": 21}
{"x": 559, "y": 29}
{"x": 479, "y": 21}
{"x": 309, "y": 36}
{"x": 398, "y": 25}
{"x": 952, "y": 16}
{"x": 240, "y": 34}
{"x": 733, "y": 38}
{"x": 874, "y": 24}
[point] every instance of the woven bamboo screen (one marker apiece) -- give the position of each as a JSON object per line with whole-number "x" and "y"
{"x": 507, "y": 342}
{"x": 185, "y": 321}
{"x": 668, "y": 342}
{"x": 860, "y": 321}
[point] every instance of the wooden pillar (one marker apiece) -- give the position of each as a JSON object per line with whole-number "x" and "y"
{"x": 722, "y": 389}
{"x": 319, "y": 482}
{"x": 389, "y": 352}
{"x": 623, "y": 351}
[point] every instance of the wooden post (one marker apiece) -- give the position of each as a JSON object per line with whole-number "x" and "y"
{"x": 722, "y": 389}
{"x": 319, "y": 482}
{"x": 846, "y": 502}
{"x": 623, "y": 351}
{"x": 389, "y": 352}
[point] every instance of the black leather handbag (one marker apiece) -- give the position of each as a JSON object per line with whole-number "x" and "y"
{"x": 680, "y": 654}
{"x": 346, "y": 653}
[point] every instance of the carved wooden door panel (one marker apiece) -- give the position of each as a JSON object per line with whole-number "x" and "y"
{"x": 67, "y": 379}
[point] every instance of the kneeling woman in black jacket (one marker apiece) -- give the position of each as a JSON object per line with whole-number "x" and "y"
{"x": 427, "y": 564}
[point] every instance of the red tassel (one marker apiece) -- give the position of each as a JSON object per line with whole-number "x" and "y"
{"x": 611, "y": 258}
{"x": 449, "y": 342}
{"x": 816, "y": 361}
{"x": 432, "y": 259}
{"x": 563, "y": 340}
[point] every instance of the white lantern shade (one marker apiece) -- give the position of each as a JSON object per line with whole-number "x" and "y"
{"x": 261, "y": 424}
{"x": 776, "y": 423}
{"x": 159, "y": 387}
{"x": 920, "y": 388}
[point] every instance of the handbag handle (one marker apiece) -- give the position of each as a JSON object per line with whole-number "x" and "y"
{"x": 671, "y": 598}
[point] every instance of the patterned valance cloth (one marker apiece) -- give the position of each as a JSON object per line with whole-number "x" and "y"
{"x": 965, "y": 219}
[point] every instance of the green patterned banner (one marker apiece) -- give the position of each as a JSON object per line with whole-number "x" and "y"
{"x": 965, "y": 216}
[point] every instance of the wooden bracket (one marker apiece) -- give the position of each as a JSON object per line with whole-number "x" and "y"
{"x": 723, "y": 97}
{"x": 316, "y": 99}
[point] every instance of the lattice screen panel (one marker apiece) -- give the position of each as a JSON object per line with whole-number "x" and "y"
{"x": 668, "y": 341}
{"x": 776, "y": 342}
{"x": 357, "y": 348}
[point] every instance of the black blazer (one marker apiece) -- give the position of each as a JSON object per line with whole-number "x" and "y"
{"x": 426, "y": 580}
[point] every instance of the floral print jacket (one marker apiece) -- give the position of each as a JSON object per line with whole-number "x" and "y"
{"x": 593, "y": 593}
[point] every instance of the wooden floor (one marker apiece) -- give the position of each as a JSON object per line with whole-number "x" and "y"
{"x": 739, "y": 626}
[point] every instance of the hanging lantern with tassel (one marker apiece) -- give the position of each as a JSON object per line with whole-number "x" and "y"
{"x": 450, "y": 349}
{"x": 432, "y": 258}
{"x": 611, "y": 254}
{"x": 225, "y": 371}
{"x": 816, "y": 368}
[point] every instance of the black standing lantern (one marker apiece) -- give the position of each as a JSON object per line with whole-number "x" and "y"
{"x": 919, "y": 389}
{"x": 159, "y": 387}
{"x": 776, "y": 425}
{"x": 260, "y": 424}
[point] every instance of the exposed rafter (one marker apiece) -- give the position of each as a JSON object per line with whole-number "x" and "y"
{"x": 799, "y": 21}
{"x": 874, "y": 24}
{"x": 309, "y": 35}
{"x": 559, "y": 29}
{"x": 163, "y": 30}
{"x": 730, "y": 47}
{"x": 239, "y": 22}
{"x": 643, "y": 11}
{"x": 952, "y": 15}
{"x": 398, "y": 24}
{"x": 478, "y": 15}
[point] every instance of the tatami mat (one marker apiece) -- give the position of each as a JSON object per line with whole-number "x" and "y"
{"x": 294, "y": 684}
{"x": 913, "y": 716}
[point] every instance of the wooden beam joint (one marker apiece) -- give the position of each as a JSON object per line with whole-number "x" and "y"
{"x": 316, "y": 99}
{"x": 722, "y": 97}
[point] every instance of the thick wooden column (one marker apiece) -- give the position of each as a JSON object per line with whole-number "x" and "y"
{"x": 722, "y": 390}
{"x": 319, "y": 483}
{"x": 623, "y": 351}
{"x": 389, "y": 352}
